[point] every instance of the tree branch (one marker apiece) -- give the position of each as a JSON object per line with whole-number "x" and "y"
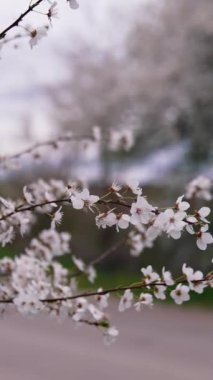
{"x": 136, "y": 286}
{"x": 19, "y": 19}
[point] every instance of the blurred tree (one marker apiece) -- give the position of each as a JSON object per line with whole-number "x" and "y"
{"x": 159, "y": 80}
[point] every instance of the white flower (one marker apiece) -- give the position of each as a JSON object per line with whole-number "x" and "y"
{"x": 141, "y": 211}
{"x": 159, "y": 292}
{"x": 53, "y": 11}
{"x": 101, "y": 220}
{"x": 133, "y": 185}
{"x": 144, "y": 299}
{"x": 73, "y": 4}
{"x": 83, "y": 199}
{"x": 126, "y": 300}
{"x": 27, "y": 303}
{"x": 81, "y": 306}
{"x": 96, "y": 313}
{"x": 204, "y": 238}
{"x": 200, "y": 187}
{"x": 8, "y": 205}
{"x": 27, "y": 195}
{"x": 79, "y": 263}
{"x": 149, "y": 275}
{"x": 37, "y": 34}
{"x": 181, "y": 205}
{"x": 194, "y": 279}
{"x": 180, "y": 294}
{"x": 110, "y": 335}
{"x": 167, "y": 277}
{"x": 173, "y": 222}
{"x": 102, "y": 299}
{"x": 121, "y": 220}
{"x": 202, "y": 213}
{"x": 91, "y": 273}
{"x": 56, "y": 218}
{"x": 7, "y": 236}
{"x": 115, "y": 188}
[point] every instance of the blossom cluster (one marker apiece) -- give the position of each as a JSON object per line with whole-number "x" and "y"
{"x": 157, "y": 287}
{"x": 36, "y": 281}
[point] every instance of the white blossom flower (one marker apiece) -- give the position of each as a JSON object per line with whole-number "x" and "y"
{"x": 115, "y": 188}
{"x": 52, "y": 11}
{"x": 141, "y": 211}
{"x": 149, "y": 275}
{"x": 144, "y": 299}
{"x": 96, "y": 313}
{"x": 57, "y": 217}
{"x": 194, "y": 279}
{"x": 173, "y": 222}
{"x": 203, "y": 213}
{"x": 133, "y": 185}
{"x": 27, "y": 195}
{"x": 91, "y": 273}
{"x": 204, "y": 238}
{"x": 120, "y": 220}
{"x": 200, "y": 187}
{"x": 83, "y": 199}
{"x": 181, "y": 205}
{"x": 180, "y": 294}
{"x": 37, "y": 34}
{"x": 126, "y": 300}
{"x": 159, "y": 292}
{"x": 167, "y": 277}
{"x": 27, "y": 303}
{"x": 110, "y": 335}
{"x": 81, "y": 306}
{"x": 102, "y": 299}
{"x": 8, "y": 205}
{"x": 79, "y": 263}
{"x": 7, "y": 236}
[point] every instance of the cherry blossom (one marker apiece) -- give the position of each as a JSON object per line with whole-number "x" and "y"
{"x": 126, "y": 300}
{"x": 83, "y": 199}
{"x": 149, "y": 275}
{"x": 37, "y": 34}
{"x": 194, "y": 279}
{"x": 141, "y": 211}
{"x": 180, "y": 294}
{"x": 200, "y": 187}
{"x": 144, "y": 299}
{"x": 204, "y": 238}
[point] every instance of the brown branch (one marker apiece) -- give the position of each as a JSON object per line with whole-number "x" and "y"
{"x": 44, "y": 144}
{"x": 108, "y": 252}
{"x": 101, "y": 257}
{"x": 57, "y": 201}
{"x": 19, "y": 19}
{"x": 137, "y": 286}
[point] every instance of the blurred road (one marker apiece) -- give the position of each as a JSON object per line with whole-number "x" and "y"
{"x": 166, "y": 343}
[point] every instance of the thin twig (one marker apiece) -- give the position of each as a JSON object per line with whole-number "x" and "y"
{"x": 137, "y": 286}
{"x": 48, "y": 143}
{"x": 57, "y": 201}
{"x": 19, "y": 19}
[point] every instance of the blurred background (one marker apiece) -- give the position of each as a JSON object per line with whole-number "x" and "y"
{"x": 140, "y": 65}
